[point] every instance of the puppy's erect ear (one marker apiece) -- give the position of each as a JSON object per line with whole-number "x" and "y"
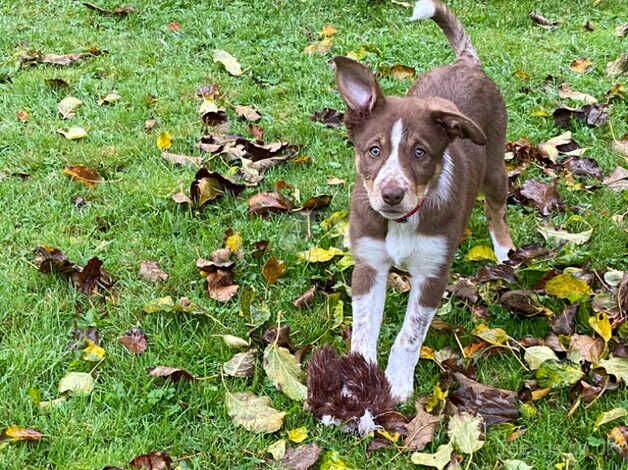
{"x": 459, "y": 125}
{"x": 357, "y": 85}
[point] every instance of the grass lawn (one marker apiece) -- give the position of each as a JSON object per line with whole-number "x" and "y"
{"x": 130, "y": 216}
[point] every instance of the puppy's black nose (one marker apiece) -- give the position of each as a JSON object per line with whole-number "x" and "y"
{"x": 392, "y": 195}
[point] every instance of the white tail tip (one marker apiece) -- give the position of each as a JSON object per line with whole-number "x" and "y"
{"x": 423, "y": 10}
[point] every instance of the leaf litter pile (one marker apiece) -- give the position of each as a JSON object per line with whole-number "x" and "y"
{"x": 583, "y": 310}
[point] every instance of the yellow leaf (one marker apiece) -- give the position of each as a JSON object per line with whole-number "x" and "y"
{"x": 18, "y": 433}
{"x": 73, "y": 133}
{"x": 298, "y": 434}
{"x": 328, "y": 30}
{"x": 231, "y": 63}
{"x": 284, "y": 371}
{"x": 164, "y": 141}
{"x": 93, "y": 352}
{"x": 357, "y": 55}
{"x": 233, "y": 242}
{"x": 273, "y": 269}
{"x": 437, "y": 397}
{"x": 277, "y": 449}
{"x": 481, "y": 253}
{"x": 495, "y": 336}
{"x": 601, "y": 325}
{"x": 319, "y": 255}
{"x": 522, "y": 74}
{"x": 253, "y": 413}
{"x": 566, "y": 286}
{"x": 580, "y": 65}
{"x": 539, "y": 112}
{"x": 320, "y": 47}
{"x": 427, "y": 353}
{"x": 394, "y": 437}
{"x": 609, "y": 416}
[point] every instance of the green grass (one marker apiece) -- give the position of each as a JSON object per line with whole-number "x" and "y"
{"x": 129, "y": 413}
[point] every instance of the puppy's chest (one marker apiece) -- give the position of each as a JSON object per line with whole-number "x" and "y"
{"x": 413, "y": 252}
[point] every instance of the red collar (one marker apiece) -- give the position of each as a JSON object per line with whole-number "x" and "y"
{"x": 404, "y": 219}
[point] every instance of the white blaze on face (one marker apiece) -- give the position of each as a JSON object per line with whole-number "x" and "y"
{"x": 391, "y": 170}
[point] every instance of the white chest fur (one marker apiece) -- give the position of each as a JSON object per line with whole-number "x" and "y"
{"x": 418, "y": 254}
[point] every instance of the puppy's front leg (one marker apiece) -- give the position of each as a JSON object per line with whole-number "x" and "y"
{"x": 368, "y": 287}
{"x": 404, "y": 355}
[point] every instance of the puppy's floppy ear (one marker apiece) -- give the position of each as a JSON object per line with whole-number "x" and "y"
{"x": 458, "y": 125}
{"x": 357, "y": 85}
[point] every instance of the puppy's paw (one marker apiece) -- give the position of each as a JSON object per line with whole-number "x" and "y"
{"x": 401, "y": 385}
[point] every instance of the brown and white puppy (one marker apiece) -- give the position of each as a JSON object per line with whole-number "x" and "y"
{"x": 421, "y": 160}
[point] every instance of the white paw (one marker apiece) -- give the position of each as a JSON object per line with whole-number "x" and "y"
{"x": 401, "y": 385}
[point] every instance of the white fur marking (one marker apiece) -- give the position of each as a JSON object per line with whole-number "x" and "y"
{"x": 421, "y": 255}
{"x": 328, "y": 420}
{"x": 422, "y": 10}
{"x": 368, "y": 309}
{"x": 441, "y": 193}
{"x": 391, "y": 170}
{"x": 367, "y": 423}
{"x": 501, "y": 251}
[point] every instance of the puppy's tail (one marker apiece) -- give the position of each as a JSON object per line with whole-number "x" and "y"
{"x": 450, "y": 25}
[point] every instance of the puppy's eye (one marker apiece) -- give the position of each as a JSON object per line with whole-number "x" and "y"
{"x": 375, "y": 151}
{"x": 419, "y": 152}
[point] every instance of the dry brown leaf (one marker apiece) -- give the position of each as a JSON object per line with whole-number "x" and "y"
{"x": 183, "y": 160}
{"x": 173, "y": 373}
{"x": 422, "y": 428}
{"x": 266, "y": 203}
{"x": 618, "y": 67}
{"x": 580, "y": 65}
{"x": 617, "y": 180}
{"x": 565, "y": 91}
{"x": 247, "y": 112}
{"x": 151, "y": 271}
{"x": 82, "y": 174}
{"x": 118, "y": 11}
{"x": 273, "y": 269}
{"x": 134, "y": 340}
{"x": 153, "y": 461}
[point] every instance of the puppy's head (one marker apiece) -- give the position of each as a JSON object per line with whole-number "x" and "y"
{"x": 399, "y": 142}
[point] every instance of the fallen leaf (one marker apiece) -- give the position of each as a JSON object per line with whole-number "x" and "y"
{"x": 578, "y": 238}
{"x": 564, "y": 324}
{"x": 328, "y": 116}
{"x": 465, "y": 431}
{"x": 319, "y": 255}
{"x": 297, "y": 435}
{"x": 328, "y": 30}
{"x": 174, "y": 26}
{"x": 241, "y": 364}
{"x": 134, "y": 340}
{"x": 510, "y": 464}
{"x": 253, "y": 413}
{"x": 118, "y": 11}
{"x": 302, "y": 457}
{"x": 545, "y": 196}
{"x": 541, "y": 20}
{"x": 524, "y": 302}
{"x": 73, "y": 133}
{"x": 151, "y": 271}
{"x": 277, "y": 449}
{"x": 593, "y": 115}
{"x": 284, "y": 371}
{"x": 617, "y": 180}
{"x": 618, "y": 437}
{"x": 92, "y": 279}
{"x": 161, "y": 304}
{"x": 565, "y": 91}
{"x": 332, "y": 461}
{"x": 608, "y": 416}
{"x": 164, "y": 141}
{"x": 558, "y": 374}
{"x": 183, "y": 160}
{"x": 273, "y": 269}
{"x": 618, "y": 67}
{"x": 77, "y": 383}
{"x": 439, "y": 460}
{"x": 421, "y": 429}
{"x": 320, "y": 47}
{"x": 617, "y": 366}
{"x": 398, "y": 71}
{"x": 150, "y": 124}
{"x": 580, "y": 65}
{"x": 398, "y": 283}
{"x": 601, "y": 325}
{"x": 234, "y": 342}
{"x": 480, "y": 253}
{"x": 247, "y": 112}
{"x": 536, "y": 355}
{"x": 230, "y": 63}
{"x": 64, "y": 59}
{"x": 18, "y": 433}
{"x": 621, "y": 30}
{"x": 494, "y": 336}
{"x": 153, "y": 461}
{"x": 93, "y": 352}
{"x": 562, "y": 143}
{"x": 316, "y": 203}
{"x": 496, "y": 272}
{"x": 68, "y": 106}
{"x": 264, "y": 204}
{"x": 109, "y": 98}
{"x": 583, "y": 167}
{"x": 83, "y": 174}
{"x": 173, "y": 373}
{"x": 566, "y": 286}
{"x": 22, "y": 116}
{"x": 306, "y": 299}
{"x": 495, "y": 405}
